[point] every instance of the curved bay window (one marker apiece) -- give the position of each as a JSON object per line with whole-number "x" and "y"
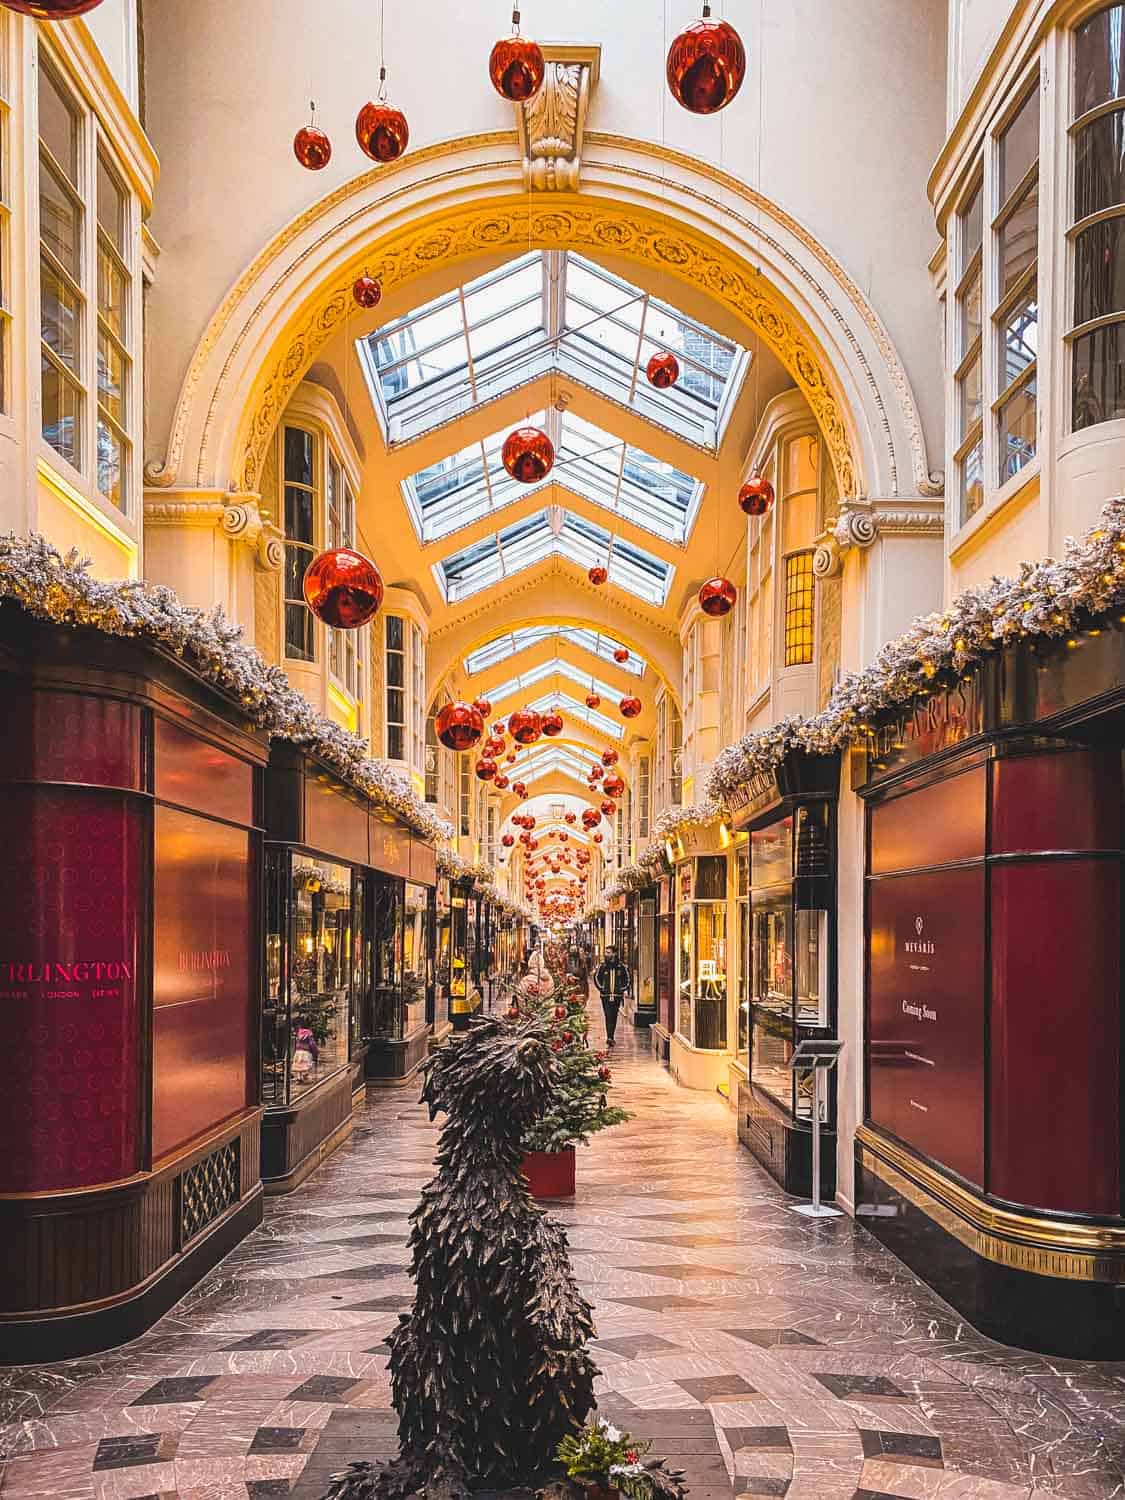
{"x": 702, "y": 1019}
{"x": 1098, "y": 219}
{"x": 306, "y": 1023}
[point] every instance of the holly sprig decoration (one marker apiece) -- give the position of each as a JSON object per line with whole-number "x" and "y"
{"x": 604, "y": 1455}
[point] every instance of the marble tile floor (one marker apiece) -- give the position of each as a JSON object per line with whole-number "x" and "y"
{"x": 770, "y": 1355}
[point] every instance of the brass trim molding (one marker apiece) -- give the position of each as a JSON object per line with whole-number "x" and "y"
{"x": 1065, "y": 1250}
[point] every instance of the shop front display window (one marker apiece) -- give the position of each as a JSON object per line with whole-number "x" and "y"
{"x": 703, "y": 952}
{"x": 309, "y": 968}
{"x": 745, "y": 958}
{"x": 683, "y": 1024}
{"x": 646, "y": 952}
{"x": 415, "y": 957}
{"x": 443, "y": 930}
{"x": 387, "y": 944}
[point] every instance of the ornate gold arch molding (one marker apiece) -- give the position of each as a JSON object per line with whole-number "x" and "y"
{"x": 575, "y": 222}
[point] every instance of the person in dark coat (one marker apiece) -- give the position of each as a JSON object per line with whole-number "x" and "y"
{"x": 612, "y": 981}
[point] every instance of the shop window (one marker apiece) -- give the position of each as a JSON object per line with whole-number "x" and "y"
{"x": 799, "y": 609}
{"x": 395, "y": 669}
{"x": 702, "y": 1019}
{"x": 1097, "y": 334}
{"x": 300, "y": 540}
{"x": 1016, "y": 318}
{"x": 416, "y": 958}
{"x": 968, "y": 301}
{"x": 745, "y": 953}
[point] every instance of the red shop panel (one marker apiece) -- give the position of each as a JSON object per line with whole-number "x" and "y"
{"x": 933, "y": 826}
{"x": 926, "y": 1014}
{"x": 335, "y": 824}
{"x": 195, "y": 774}
{"x": 70, "y": 737}
{"x": 202, "y": 976}
{"x": 1068, "y": 800}
{"x": 71, "y": 898}
{"x": 1054, "y": 1128}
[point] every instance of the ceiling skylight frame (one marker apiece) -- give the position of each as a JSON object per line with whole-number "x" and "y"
{"x": 525, "y": 637}
{"x": 592, "y": 717}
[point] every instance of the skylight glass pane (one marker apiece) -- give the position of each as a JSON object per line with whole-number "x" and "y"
{"x": 515, "y": 641}
{"x": 592, "y": 716}
{"x": 557, "y": 667}
{"x": 506, "y": 645}
{"x": 495, "y": 557}
{"x": 625, "y": 478}
{"x": 605, "y": 646}
{"x": 456, "y": 491}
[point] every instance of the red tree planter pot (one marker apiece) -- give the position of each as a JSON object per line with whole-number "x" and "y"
{"x": 550, "y": 1174}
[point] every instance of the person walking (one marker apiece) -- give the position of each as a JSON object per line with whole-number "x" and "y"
{"x": 612, "y": 982}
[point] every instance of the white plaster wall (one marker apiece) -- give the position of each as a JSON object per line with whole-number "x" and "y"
{"x": 839, "y": 120}
{"x": 974, "y": 27}
{"x": 113, "y": 25}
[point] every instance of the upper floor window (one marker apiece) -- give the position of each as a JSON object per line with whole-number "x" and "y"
{"x": 1097, "y": 233}
{"x": 5, "y": 219}
{"x": 969, "y": 430}
{"x": 344, "y": 646}
{"x": 300, "y": 540}
{"x": 86, "y": 257}
{"x": 396, "y": 687}
{"x": 418, "y": 695}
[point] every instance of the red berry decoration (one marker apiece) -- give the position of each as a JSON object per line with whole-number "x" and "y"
{"x": 343, "y": 588}
{"x": 528, "y": 455}
{"x": 717, "y": 596}
{"x": 597, "y": 576}
{"x": 553, "y": 723}
{"x": 367, "y": 292}
{"x": 706, "y": 65}
{"x": 610, "y": 757}
{"x": 311, "y": 146}
{"x": 613, "y": 786}
{"x": 604, "y": 1074}
{"x": 662, "y": 371}
{"x": 756, "y": 495}
{"x": 525, "y": 726}
{"x": 630, "y": 707}
{"x": 508, "y": 840}
{"x": 621, "y": 654}
{"x": 516, "y": 66}
{"x": 382, "y": 132}
{"x": 458, "y": 726}
{"x": 593, "y": 701}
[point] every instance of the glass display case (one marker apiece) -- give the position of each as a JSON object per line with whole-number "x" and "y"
{"x": 702, "y": 933}
{"x": 307, "y": 1017}
{"x": 788, "y": 907}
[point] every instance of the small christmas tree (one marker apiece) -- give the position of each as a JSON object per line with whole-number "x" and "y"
{"x": 580, "y": 1106}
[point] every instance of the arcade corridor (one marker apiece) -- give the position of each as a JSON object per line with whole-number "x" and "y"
{"x": 769, "y": 1355}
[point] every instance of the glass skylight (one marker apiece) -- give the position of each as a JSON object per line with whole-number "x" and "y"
{"x": 547, "y": 760}
{"x": 555, "y": 668}
{"x": 549, "y": 311}
{"x": 565, "y": 704}
{"x": 523, "y": 639}
{"x": 548, "y": 532}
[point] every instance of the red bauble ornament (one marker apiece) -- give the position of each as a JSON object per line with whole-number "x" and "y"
{"x": 528, "y": 455}
{"x": 553, "y": 723}
{"x": 572, "y": 817}
{"x": 604, "y": 1074}
{"x": 483, "y": 707}
{"x": 511, "y": 757}
{"x": 598, "y": 838}
{"x": 512, "y": 1013}
{"x": 493, "y": 746}
{"x": 529, "y": 821}
{"x": 597, "y": 576}
{"x": 519, "y": 789}
{"x": 706, "y": 65}
{"x": 311, "y": 146}
{"x": 525, "y": 726}
{"x": 596, "y": 772}
{"x": 508, "y": 840}
{"x": 382, "y": 132}
{"x": 560, "y": 1012}
{"x": 630, "y": 707}
{"x": 367, "y": 292}
{"x": 717, "y": 596}
{"x": 51, "y": 10}
{"x": 608, "y": 809}
{"x": 593, "y": 701}
{"x": 621, "y": 654}
{"x": 568, "y": 1037}
{"x": 458, "y": 726}
{"x": 563, "y": 835}
{"x": 343, "y": 588}
{"x": 485, "y": 769}
{"x": 591, "y": 818}
{"x": 501, "y": 783}
{"x": 756, "y": 495}
{"x": 662, "y": 371}
{"x": 534, "y": 844}
{"x": 613, "y": 786}
{"x": 516, "y": 67}
{"x": 610, "y": 757}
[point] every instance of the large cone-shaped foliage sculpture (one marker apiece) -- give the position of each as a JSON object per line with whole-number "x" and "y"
{"x": 489, "y": 1371}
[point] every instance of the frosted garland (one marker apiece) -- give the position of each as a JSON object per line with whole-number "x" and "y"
{"x": 63, "y": 591}
{"x": 1048, "y": 599}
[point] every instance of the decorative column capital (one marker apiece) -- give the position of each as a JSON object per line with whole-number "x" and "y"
{"x": 237, "y": 516}
{"x": 552, "y": 124}
{"x": 860, "y": 523}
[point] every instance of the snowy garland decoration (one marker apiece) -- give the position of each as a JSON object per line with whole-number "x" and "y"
{"x": 63, "y": 591}
{"x": 1048, "y": 599}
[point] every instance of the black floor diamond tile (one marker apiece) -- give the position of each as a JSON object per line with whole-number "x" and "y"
{"x": 763, "y": 1485}
{"x": 860, "y": 1385}
{"x": 772, "y": 1338}
{"x": 277, "y": 1440}
{"x": 633, "y": 1345}
{"x": 175, "y": 1388}
{"x": 138, "y": 1448}
{"x": 717, "y": 1387}
{"x": 660, "y": 1304}
{"x": 906, "y": 1447}
{"x": 324, "y": 1388}
{"x": 360, "y": 1273}
{"x": 271, "y": 1338}
{"x": 263, "y": 1489}
{"x": 382, "y": 1304}
{"x": 767, "y": 1439}
{"x": 683, "y": 1272}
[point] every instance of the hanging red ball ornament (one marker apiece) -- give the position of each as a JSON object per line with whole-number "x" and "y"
{"x": 367, "y": 292}
{"x": 552, "y": 723}
{"x": 485, "y": 769}
{"x": 534, "y": 844}
{"x": 511, "y": 757}
{"x": 563, "y": 835}
{"x": 596, "y": 772}
{"x": 630, "y": 707}
{"x": 508, "y": 840}
{"x": 483, "y": 707}
{"x": 382, "y": 132}
{"x": 311, "y": 147}
{"x": 458, "y": 726}
{"x": 621, "y": 654}
{"x": 756, "y": 495}
{"x": 717, "y": 597}
{"x": 572, "y": 817}
{"x": 51, "y": 10}
{"x": 525, "y": 726}
{"x": 598, "y": 838}
{"x": 493, "y": 746}
{"x": 516, "y": 66}
{"x": 528, "y": 455}
{"x": 597, "y": 576}
{"x": 593, "y": 701}
{"x": 608, "y": 809}
{"x": 519, "y": 788}
{"x": 613, "y": 786}
{"x": 529, "y": 821}
{"x": 662, "y": 371}
{"x": 610, "y": 757}
{"x": 501, "y": 783}
{"x": 591, "y": 818}
{"x": 706, "y": 65}
{"x": 343, "y": 588}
